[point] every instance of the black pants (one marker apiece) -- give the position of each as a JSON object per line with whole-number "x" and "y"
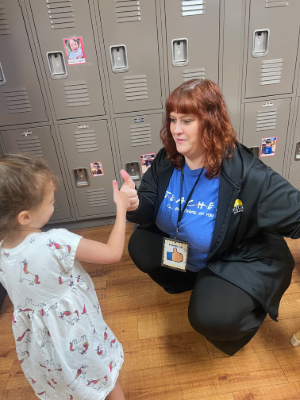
{"x": 226, "y": 315}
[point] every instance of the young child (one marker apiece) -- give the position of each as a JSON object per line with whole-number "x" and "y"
{"x": 65, "y": 348}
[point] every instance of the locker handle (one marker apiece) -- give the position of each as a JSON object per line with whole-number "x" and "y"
{"x": 297, "y": 152}
{"x": 2, "y": 77}
{"x": 261, "y": 39}
{"x": 81, "y": 177}
{"x": 133, "y": 170}
{"x": 179, "y": 52}
{"x": 118, "y": 57}
{"x": 57, "y": 65}
{"x": 255, "y": 150}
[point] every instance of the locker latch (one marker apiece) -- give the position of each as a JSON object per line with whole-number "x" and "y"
{"x": 133, "y": 169}
{"x": 2, "y": 77}
{"x": 118, "y": 56}
{"x": 81, "y": 177}
{"x": 255, "y": 150}
{"x": 179, "y": 52}
{"x": 260, "y": 42}
{"x": 57, "y": 65}
{"x": 297, "y": 153}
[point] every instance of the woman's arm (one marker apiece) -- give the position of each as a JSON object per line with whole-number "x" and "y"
{"x": 92, "y": 251}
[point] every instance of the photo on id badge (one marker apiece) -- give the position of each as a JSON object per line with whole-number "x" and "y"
{"x": 174, "y": 254}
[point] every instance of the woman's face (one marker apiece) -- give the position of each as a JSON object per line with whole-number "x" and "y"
{"x": 185, "y": 129}
{"x": 73, "y": 45}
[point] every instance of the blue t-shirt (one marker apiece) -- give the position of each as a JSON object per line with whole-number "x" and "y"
{"x": 267, "y": 150}
{"x": 198, "y": 221}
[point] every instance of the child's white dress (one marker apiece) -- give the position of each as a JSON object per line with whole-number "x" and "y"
{"x": 65, "y": 348}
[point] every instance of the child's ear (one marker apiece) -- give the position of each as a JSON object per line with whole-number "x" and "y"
{"x": 24, "y": 218}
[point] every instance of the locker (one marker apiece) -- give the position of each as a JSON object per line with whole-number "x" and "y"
{"x": 294, "y": 173}
{"x": 90, "y": 163}
{"x": 73, "y": 76}
{"x": 139, "y": 142}
{"x": 130, "y": 35}
{"x": 272, "y": 47}
{"x": 192, "y": 40}
{"x": 265, "y": 130}
{"x": 21, "y": 99}
{"x": 38, "y": 141}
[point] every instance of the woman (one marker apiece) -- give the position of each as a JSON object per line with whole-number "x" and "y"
{"x": 238, "y": 264}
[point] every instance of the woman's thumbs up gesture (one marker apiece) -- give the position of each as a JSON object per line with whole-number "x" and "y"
{"x": 128, "y": 187}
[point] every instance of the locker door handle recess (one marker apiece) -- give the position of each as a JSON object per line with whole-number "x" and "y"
{"x": 179, "y": 52}
{"x": 2, "y": 77}
{"x": 118, "y": 57}
{"x": 57, "y": 65}
{"x": 81, "y": 177}
{"x": 133, "y": 170}
{"x": 261, "y": 39}
{"x": 297, "y": 153}
{"x": 255, "y": 150}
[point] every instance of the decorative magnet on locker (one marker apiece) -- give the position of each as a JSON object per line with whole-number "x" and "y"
{"x": 118, "y": 57}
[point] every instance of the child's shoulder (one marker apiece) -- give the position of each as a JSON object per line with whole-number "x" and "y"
{"x": 61, "y": 236}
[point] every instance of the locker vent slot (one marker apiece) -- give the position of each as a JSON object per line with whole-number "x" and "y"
{"x": 30, "y": 145}
{"x": 77, "y": 94}
{"x": 61, "y": 14}
{"x": 55, "y": 207}
{"x": 97, "y": 197}
{"x": 196, "y": 73}
{"x": 17, "y": 101}
{"x": 276, "y": 3}
{"x": 136, "y": 87}
{"x": 86, "y": 141}
{"x": 266, "y": 120}
{"x": 140, "y": 135}
{"x": 128, "y": 11}
{"x": 4, "y": 28}
{"x": 270, "y": 72}
{"x": 192, "y": 7}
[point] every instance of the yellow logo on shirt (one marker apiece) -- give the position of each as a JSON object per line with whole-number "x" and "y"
{"x": 238, "y": 206}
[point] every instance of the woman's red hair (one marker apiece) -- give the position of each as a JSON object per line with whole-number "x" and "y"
{"x": 203, "y": 99}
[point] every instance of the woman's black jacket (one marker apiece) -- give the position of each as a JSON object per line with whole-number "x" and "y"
{"x": 247, "y": 247}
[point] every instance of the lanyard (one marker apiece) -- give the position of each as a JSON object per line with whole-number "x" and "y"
{"x": 180, "y": 214}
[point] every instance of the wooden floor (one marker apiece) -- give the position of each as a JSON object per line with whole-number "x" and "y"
{"x": 164, "y": 358}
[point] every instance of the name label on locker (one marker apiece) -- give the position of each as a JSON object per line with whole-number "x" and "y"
{"x": 83, "y": 126}
{"x": 137, "y": 120}
{"x": 268, "y": 105}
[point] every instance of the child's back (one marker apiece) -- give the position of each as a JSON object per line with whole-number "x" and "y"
{"x": 63, "y": 344}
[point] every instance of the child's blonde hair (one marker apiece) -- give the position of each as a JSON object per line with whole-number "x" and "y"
{"x": 23, "y": 180}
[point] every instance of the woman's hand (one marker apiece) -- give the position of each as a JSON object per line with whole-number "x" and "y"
{"x": 128, "y": 187}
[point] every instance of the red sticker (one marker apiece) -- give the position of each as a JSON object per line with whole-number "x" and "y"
{"x": 146, "y": 161}
{"x": 74, "y": 50}
{"x": 268, "y": 147}
{"x": 96, "y": 169}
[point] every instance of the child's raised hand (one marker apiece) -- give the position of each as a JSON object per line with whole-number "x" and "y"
{"x": 128, "y": 187}
{"x": 120, "y": 198}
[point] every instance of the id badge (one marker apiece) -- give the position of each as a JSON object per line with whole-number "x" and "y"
{"x": 174, "y": 254}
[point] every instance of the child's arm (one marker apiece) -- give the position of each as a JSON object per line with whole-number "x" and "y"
{"x": 92, "y": 251}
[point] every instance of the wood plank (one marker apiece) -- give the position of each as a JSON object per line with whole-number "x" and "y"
{"x": 242, "y": 372}
{"x": 289, "y": 360}
{"x": 164, "y": 323}
{"x": 164, "y": 351}
{"x": 126, "y": 328}
{"x": 279, "y": 392}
